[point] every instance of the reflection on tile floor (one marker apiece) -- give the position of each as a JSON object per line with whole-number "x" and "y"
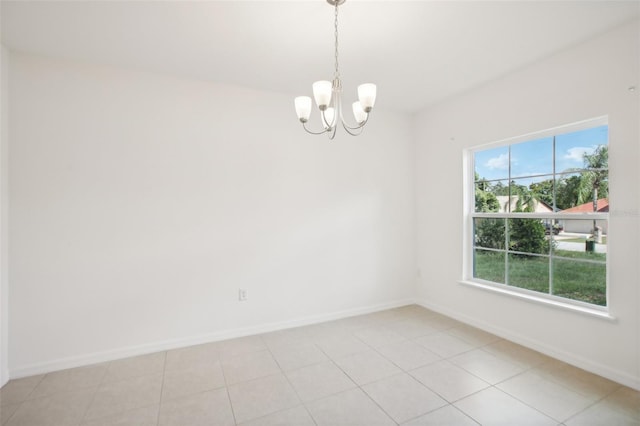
{"x": 404, "y": 366}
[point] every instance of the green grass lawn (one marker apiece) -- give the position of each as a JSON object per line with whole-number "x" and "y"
{"x": 572, "y": 279}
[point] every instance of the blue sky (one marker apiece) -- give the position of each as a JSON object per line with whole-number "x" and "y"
{"x": 535, "y": 157}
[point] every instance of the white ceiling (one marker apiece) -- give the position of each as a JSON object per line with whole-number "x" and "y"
{"x": 418, "y": 52}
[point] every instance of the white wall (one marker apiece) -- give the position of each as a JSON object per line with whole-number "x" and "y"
{"x": 4, "y": 208}
{"x": 587, "y": 81}
{"x": 141, "y": 203}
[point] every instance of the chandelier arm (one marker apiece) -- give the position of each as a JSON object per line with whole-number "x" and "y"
{"x": 359, "y": 126}
{"x": 326, "y": 124}
{"x": 350, "y": 130}
{"x": 344, "y": 122}
{"x": 332, "y": 132}
{"x": 304, "y": 125}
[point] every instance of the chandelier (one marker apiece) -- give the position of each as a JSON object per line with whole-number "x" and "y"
{"x": 327, "y": 95}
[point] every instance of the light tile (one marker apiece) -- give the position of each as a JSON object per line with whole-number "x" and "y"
{"x": 444, "y": 344}
{"x": 138, "y": 366}
{"x": 441, "y": 322}
{"x": 288, "y": 337}
{"x": 204, "y": 409}
{"x": 403, "y": 398}
{"x": 487, "y": 366}
{"x": 473, "y": 336}
{"x": 6, "y": 411}
{"x": 259, "y": 397}
{"x": 545, "y": 395}
{"x": 200, "y": 378}
{"x": 193, "y": 356}
{"x": 408, "y": 355}
{"x": 146, "y": 416}
{"x": 620, "y": 408}
{"x": 298, "y": 416}
{"x": 293, "y": 356}
{"x": 367, "y": 367}
{"x": 445, "y": 416}
{"x": 70, "y": 380}
{"x": 242, "y": 345}
{"x": 319, "y": 380}
{"x": 448, "y": 380}
{"x": 516, "y": 354}
{"x": 18, "y": 390}
{"x": 576, "y": 379}
{"x": 337, "y": 346}
{"x": 116, "y": 397}
{"x": 61, "y": 409}
{"x": 378, "y": 336}
{"x": 413, "y": 327}
{"x": 247, "y": 366}
{"x": 349, "y": 408}
{"x": 493, "y": 407}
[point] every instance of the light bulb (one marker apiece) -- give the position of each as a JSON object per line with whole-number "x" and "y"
{"x": 359, "y": 113}
{"x": 303, "y": 108}
{"x": 322, "y": 93}
{"x": 328, "y": 119}
{"x": 367, "y": 96}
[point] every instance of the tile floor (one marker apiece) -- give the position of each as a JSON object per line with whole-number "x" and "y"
{"x": 406, "y": 366}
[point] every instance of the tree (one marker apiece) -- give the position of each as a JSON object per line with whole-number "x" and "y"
{"x": 543, "y": 191}
{"x": 489, "y": 232}
{"x": 594, "y": 177}
{"x": 567, "y": 192}
{"x": 527, "y": 235}
{"x": 486, "y": 202}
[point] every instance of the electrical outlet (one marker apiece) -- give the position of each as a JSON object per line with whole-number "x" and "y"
{"x": 242, "y": 294}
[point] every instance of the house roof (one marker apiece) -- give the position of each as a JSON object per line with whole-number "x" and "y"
{"x": 509, "y": 204}
{"x": 603, "y": 207}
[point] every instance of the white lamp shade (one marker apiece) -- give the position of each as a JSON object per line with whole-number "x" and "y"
{"x": 322, "y": 93}
{"x": 303, "y": 107}
{"x": 367, "y": 96}
{"x": 329, "y": 117}
{"x": 359, "y": 113}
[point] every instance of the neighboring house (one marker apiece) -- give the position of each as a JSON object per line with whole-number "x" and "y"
{"x": 509, "y": 204}
{"x": 585, "y": 226}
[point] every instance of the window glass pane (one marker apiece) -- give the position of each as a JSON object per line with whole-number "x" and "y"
{"x": 532, "y": 195}
{"x": 492, "y": 163}
{"x": 488, "y": 265}
{"x": 565, "y": 173}
{"x": 542, "y": 190}
{"x": 577, "y": 239}
{"x": 586, "y": 282}
{"x": 530, "y": 272}
{"x": 489, "y": 233}
{"x": 532, "y": 158}
{"x": 528, "y": 236}
{"x": 568, "y": 188}
{"x": 491, "y": 196}
{"x": 572, "y": 147}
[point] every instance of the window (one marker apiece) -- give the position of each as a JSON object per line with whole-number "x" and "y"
{"x": 539, "y": 217}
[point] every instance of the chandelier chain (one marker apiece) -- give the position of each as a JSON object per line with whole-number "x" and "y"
{"x": 337, "y": 71}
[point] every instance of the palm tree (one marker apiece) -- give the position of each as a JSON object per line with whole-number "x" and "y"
{"x": 593, "y": 178}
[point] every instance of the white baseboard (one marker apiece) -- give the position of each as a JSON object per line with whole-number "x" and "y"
{"x": 606, "y": 371}
{"x": 110, "y": 355}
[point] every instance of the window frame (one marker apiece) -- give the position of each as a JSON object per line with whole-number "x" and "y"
{"x": 469, "y": 215}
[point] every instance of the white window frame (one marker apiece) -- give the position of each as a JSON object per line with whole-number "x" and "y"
{"x": 468, "y": 228}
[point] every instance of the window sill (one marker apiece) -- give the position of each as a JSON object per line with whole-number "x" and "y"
{"x": 592, "y": 312}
